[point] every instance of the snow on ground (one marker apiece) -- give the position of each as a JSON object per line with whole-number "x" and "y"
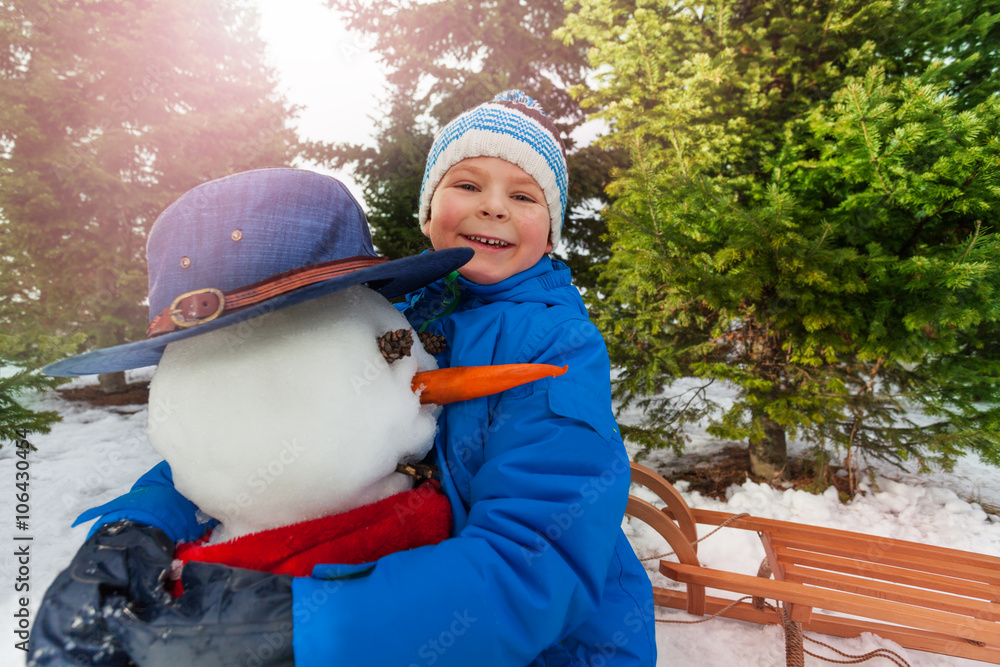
{"x": 95, "y": 454}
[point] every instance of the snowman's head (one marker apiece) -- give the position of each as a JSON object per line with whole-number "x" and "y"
{"x": 291, "y": 415}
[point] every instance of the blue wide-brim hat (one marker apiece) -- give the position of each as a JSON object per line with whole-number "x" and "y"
{"x": 249, "y": 244}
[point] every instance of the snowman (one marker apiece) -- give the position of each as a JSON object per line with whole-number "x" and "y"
{"x": 295, "y": 406}
{"x": 305, "y": 438}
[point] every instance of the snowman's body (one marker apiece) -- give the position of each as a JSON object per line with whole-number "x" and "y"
{"x": 292, "y": 415}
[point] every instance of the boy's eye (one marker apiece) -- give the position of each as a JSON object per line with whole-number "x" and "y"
{"x": 467, "y": 186}
{"x": 525, "y": 198}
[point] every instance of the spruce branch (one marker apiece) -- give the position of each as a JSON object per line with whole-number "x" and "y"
{"x": 853, "y": 92}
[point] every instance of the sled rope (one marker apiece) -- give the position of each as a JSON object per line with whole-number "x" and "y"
{"x": 707, "y": 618}
{"x": 704, "y": 537}
{"x": 891, "y": 656}
{"x": 795, "y": 651}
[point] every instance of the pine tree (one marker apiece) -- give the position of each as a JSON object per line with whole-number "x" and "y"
{"x": 15, "y": 419}
{"x": 20, "y": 355}
{"x": 112, "y": 109}
{"x": 445, "y": 57}
{"x": 807, "y": 215}
{"x": 17, "y": 379}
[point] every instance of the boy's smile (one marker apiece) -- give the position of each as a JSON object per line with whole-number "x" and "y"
{"x": 495, "y": 208}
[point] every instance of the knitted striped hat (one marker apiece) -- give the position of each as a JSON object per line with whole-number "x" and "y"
{"x": 511, "y": 127}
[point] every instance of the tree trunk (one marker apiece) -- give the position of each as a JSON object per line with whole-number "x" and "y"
{"x": 768, "y": 454}
{"x": 113, "y": 383}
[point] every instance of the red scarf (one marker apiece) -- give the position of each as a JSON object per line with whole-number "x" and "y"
{"x": 404, "y": 521}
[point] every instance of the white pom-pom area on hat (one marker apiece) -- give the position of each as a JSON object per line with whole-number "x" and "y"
{"x": 510, "y": 128}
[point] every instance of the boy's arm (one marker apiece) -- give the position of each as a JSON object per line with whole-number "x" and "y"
{"x": 153, "y": 501}
{"x": 527, "y": 568}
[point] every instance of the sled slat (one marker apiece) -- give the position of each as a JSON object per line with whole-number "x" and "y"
{"x": 863, "y": 568}
{"x": 860, "y": 540}
{"x": 908, "y": 557}
{"x": 887, "y": 591}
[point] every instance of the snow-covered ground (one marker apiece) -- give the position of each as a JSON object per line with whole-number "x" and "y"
{"x": 95, "y": 454}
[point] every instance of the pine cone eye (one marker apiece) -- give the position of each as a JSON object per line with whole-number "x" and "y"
{"x": 433, "y": 343}
{"x": 395, "y": 345}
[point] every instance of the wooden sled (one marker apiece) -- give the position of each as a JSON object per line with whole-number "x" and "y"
{"x": 922, "y": 597}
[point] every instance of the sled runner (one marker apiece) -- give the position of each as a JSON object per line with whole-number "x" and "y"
{"x": 920, "y": 596}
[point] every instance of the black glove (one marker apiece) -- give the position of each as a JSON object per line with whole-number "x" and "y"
{"x": 226, "y": 616}
{"x": 123, "y": 559}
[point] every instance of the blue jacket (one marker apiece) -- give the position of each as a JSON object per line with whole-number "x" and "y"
{"x": 538, "y": 571}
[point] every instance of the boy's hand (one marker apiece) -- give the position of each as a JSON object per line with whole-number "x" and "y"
{"x": 120, "y": 559}
{"x": 226, "y": 616}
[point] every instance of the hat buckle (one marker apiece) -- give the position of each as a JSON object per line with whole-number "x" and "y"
{"x": 188, "y": 310}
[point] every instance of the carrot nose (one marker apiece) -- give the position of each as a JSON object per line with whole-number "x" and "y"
{"x": 460, "y": 383}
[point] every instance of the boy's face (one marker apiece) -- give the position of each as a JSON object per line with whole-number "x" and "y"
{"x": 495, "y": 208}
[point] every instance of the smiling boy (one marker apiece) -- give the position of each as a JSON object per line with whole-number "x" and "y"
{"x": 495, "y": 208}
{"x": 538, "y": 478}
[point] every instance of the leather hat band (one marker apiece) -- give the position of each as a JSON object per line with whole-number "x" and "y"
{"x": 204, "y": 305}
